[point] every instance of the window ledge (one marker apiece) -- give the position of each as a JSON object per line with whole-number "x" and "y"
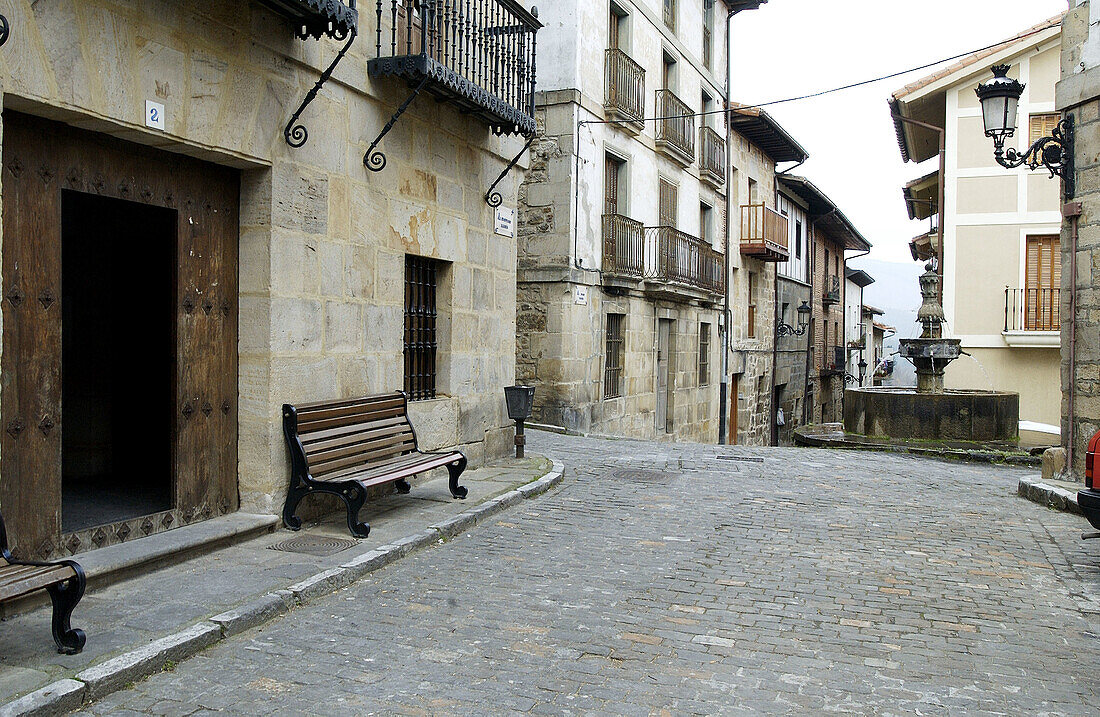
{"x": 1033, "y": 339}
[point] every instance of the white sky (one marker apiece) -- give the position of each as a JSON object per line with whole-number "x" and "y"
{"x": 794, "y": 47}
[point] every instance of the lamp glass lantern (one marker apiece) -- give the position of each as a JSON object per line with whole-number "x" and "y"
{"x": 520, "y": 400}
{"x": 804, "y": 312}
{"x": 1000, "y": 98}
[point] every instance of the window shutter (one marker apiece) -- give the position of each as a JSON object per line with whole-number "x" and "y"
{"x": 611, "y": 186}
{"x": 1042, "y": 281}
{"x": 1042, "y": 126}
{"x": 667, "y": 204}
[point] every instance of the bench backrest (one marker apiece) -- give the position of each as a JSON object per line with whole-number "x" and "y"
{"x": 340, "y": 435}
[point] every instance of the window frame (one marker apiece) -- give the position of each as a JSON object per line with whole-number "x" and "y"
{"x": 420, "y": 337}
{"x": 704, "y": 353}
{"x": 614, "y": 352}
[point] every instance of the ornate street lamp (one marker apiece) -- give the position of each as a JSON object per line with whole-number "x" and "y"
{"x": 782, "y": 329}
{"x": 1000, "y": 99}
{"x": 862, "y": 369}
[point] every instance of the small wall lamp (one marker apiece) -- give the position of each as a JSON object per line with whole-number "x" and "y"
{"x": 520, "y": 400}
{"x": 1000, "y": 97}
{"x": 782, "y": 329}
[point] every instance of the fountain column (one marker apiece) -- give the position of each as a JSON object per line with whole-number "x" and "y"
{"x": 930, "y": 353}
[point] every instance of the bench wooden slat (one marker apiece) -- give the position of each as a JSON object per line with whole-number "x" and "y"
{"x": 18, "y": 580}
{"x": 344, "y": 446}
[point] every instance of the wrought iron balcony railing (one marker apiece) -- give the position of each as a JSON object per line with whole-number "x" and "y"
{"x": 831, "y": 293}
{"x": 675, "y": 127}
{"x": 763, "y": 233}
{"x": 623, "y": 247}
{"x": 1032, "y": 310}
{"x": 835, "y": 359}
{"x": 624, "y": 94}
{"x": 712, "y": 156}
{"x": 477, "y": 54}
{"x": 676, "y": 257}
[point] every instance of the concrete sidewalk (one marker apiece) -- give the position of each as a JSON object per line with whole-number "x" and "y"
{"x": 140, "y": 625}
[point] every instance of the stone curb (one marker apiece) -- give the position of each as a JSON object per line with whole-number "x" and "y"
{"x": 100, "y": 680}
{"x": 1034, "y": 489}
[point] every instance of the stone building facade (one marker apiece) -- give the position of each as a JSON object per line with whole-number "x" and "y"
{"x": 292, "y": 269}
{"x": 1078, "y": 95}
{"x": 622, "y": 221}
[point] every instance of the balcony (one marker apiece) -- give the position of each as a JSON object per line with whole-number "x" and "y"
{"x": 831, "y": 293}
{"x": 623, "y": 247}
{"x": 1032, "y": 317}
{"x": 834, "y": 361}
{"x": 479, "y": 55}
{"x": 624, "y": 94}
{"x": 669, "y": 260}
{"x": 763, "y": 233}
{"x": 675, "y": 128}
{"x": 712, "y": 156}
{"x": 315, "y": 18}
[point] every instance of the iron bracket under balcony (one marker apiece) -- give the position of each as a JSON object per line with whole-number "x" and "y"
{"x": 316, "y": 19}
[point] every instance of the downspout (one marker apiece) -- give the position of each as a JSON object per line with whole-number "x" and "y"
{"x": 1072, "y": 212}
{"x": 727, "y": 318}
{"x": 774, "y": 429}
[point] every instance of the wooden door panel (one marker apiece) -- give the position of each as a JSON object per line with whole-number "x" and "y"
{"x": 30, "y": 446}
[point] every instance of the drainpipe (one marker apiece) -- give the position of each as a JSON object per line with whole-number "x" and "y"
{"x": 1072, "y": 212}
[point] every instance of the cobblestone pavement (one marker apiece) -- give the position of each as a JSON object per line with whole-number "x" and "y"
{"x": 676, "y": 579}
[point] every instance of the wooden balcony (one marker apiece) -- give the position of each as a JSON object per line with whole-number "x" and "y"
{"x": 712, "y": 156}
{"x": 478, "y": 55}
{"x": 763, "y": 233}
{"x": 624, "y": 93}
{"x": 675, "y": 128}
{"x": 623, "y": 247}
{"x": 673, "y": 257}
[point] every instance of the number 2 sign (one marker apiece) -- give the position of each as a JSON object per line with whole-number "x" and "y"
{"x": 154, "y": 115}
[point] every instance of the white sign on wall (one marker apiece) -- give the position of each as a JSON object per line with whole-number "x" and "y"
{"x": 154, "y": 115}
{"x": 580, "y": 295}
{"x": 505, "y": 224}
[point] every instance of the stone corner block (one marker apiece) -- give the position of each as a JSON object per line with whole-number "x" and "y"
{"x": 55, "y": 698}
{"x": 106, "y": 677}
{"x": 251, "y": 614}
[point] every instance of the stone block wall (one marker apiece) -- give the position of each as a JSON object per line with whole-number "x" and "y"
{"x": 322, "y": 240}
{"x": 791, "y": 359}
{"x": 1078, "y": 95}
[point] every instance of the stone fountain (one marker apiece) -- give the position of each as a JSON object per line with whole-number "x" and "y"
{"x": 929, "y": 412}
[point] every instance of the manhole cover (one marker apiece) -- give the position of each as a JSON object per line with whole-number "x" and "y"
{"x": 313, "y": 545}
{"x": 642, "y": 475}
{"x": 744, "y": 459}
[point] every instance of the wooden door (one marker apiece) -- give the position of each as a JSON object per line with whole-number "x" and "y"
{"x": 663, "y": 338}
{"x": 41, "y": 161}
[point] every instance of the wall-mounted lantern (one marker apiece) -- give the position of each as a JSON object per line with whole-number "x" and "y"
{"x": 520, "y": 400}
{"x": 1000, "y": 99}
{"x": 5, "y": 29}
{"x": 782, "y": 329}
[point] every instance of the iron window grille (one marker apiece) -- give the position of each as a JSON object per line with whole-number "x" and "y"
{"x": 421, "y": 314}
{"x": 613, "y": 359}
{"x": 704, "y": 354}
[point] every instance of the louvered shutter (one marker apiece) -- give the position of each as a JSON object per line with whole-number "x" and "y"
{"x": 1042, "y": 279}
{"x": 1042, "y": 126}
{"x": 611, "y": 185}
{"x": 667, "y": 204}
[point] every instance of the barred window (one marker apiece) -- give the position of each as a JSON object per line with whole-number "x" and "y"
{"x": 420, "y": 326}
{"x": 704, "y": 354}
{"x": 613, "y": 357}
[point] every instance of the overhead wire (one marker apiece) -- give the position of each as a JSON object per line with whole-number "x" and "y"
{"x": 820, "y": 93}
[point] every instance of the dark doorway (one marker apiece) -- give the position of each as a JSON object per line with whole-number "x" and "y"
{"x": 118, "y": 359}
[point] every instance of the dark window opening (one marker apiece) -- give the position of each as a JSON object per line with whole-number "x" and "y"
{"x": 421, "y": 282}
{"x": 613, "y": 357}
{"x": 118, "y": 359}
{"x": 704, "y": 354}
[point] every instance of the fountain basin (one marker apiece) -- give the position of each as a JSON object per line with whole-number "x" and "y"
{"x": 953, "y": 415}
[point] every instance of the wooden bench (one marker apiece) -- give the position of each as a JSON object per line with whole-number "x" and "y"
{"x": 343, "y": 447}
{"x": 63, "y": 580}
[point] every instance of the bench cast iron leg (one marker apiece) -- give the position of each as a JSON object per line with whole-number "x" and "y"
{"x": 455, "y": 469}
{"x": 65, "y": 596}
{"x": 290, "y": 507}
{"x": 354, "y": 496}
{"x": 402, "y": 486}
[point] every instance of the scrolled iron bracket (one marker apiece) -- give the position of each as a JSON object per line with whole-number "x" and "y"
{"x": 1053, "y": 153}
{"x": 296, "y": 134}
{"x": 5, "y": 30}
{"x": 374, "y": 159}
{"x": 492, "y": 197}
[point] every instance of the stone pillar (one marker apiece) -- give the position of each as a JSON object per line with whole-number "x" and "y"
{"x": 1078, "y": 95}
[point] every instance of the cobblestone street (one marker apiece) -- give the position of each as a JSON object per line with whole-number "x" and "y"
{"x": 680, "y": 579}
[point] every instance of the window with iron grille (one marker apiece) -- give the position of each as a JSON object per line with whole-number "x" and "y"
{"x": 421, "y": 282}
{"x": 704, "y": 354}
{"x": 613, "y": 357}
